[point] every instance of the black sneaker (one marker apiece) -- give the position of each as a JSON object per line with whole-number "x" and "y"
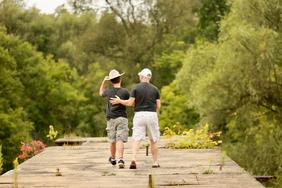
{"x": 132, "y": 165}
{"x": 121, "y": 163}
{"x": 112, "y": 161}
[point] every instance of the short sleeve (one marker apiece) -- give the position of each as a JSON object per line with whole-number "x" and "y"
{"x": 133, "y": 93}
{"x": 105, "y": 93}
{"x": 158, "y": 95}
{"x": 127, "y": 95}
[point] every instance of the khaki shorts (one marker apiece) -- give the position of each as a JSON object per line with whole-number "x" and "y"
{"x": 117, "y": 129}
{"x": 146, "y": 122}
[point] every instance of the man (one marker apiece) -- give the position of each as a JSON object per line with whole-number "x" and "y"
{"x": 145, "y": 97}
{"x": 117, "y": 122}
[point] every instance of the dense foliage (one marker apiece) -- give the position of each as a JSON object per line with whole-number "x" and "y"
{"x": 200, "y": 138}
{"x": 215, "y": 61}
{"x": 236, "y": 84}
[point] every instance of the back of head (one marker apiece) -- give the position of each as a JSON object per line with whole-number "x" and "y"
{"x": 116, "y": 80}
{"x": 145, "y": 72}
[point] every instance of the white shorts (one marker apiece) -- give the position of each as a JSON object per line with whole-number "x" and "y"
{"x": 146, "y": 122}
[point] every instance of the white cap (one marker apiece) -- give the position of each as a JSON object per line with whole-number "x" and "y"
{"x": 145, "y": 72}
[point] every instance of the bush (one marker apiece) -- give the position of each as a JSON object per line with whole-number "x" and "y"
{"x": 31, "y": 149}
{"x": 194, "y": 139}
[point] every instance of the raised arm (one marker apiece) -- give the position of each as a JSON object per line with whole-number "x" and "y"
{"x": 102, "y": 87}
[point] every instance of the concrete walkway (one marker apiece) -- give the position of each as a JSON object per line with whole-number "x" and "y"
{"x": 86, "y": 166}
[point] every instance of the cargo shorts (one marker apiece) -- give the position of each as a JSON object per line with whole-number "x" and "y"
{"x": 117, "y": 129}
{"x": 146, "y": 122}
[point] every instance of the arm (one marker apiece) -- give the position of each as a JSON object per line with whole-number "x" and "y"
{"x": 128, "y": 102}
{"x": 102, "y": 87}
{"x": 158, "y": 102}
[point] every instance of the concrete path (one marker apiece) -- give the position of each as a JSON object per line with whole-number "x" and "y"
{"x": 86, "y": 166}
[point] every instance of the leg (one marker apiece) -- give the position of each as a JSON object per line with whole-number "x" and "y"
{"x": 135, "y": 148}
{"x": 139, "y": 131}
{"x": 154, "y": 150}
{"x": 154, "y": 135}
{"x": 121, "y": 135}
{"x": 113, "y": 150}
{"x": 120, "y": 148}
{"x": 111, "y": 137}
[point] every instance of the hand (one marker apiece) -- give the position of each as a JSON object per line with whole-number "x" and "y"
{"x": 115, "y": 100}
{"x": 106, "y": 78}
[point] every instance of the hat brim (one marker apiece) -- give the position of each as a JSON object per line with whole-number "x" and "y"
{"x": 140, "y": 74}
{"x": 110, "y": 78}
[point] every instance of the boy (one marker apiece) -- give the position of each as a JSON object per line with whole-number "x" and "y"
{"x": 117, "y": 122}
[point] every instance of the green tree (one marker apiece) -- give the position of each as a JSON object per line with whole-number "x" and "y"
{"x": 236, "y": 84}
{"x": 35, "y": 92}
{"x": 151, "y": 29}
{"x": 175, "y": 112}
{"x": 134, "y": 35}
{"x": 210, "y": 14}
{"x": 15, "y": 128}
{"x": 11, "y": 13}
{"x": 56, "y": 100}
{"x": 92, "y": 117}
{"x": 15, "y": 125}
{"x": 79, "y": 6}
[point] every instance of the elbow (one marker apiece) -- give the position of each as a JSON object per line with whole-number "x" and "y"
{"x": 101, "y": 91}
{"x": 158, "y": 104}
{"x": 129, "y": 103}
{"x": 132, "y": 103}
{"x": 158, "y": 107}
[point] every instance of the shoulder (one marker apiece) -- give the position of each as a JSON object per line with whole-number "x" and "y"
{"x": 135, "y": 89}
{"x": 124, "y": 90}
{"x": 106, "y": 92}
{"x": 109, "y": 90}
{"x": 155, "y": 87}
{"x": 136, "y": 86}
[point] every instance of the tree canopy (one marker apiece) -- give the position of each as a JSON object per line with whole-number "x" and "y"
{"x": 236, "y": 83}
{"x": 215, "y": 61}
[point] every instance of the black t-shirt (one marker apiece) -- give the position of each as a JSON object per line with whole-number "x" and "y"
{"x": 117, "y": 110}
{"x": 145, "y": 95}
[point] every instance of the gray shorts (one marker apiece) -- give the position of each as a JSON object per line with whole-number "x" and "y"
{"x": 117, "y": 129}
{"x": 146, "y": 122}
